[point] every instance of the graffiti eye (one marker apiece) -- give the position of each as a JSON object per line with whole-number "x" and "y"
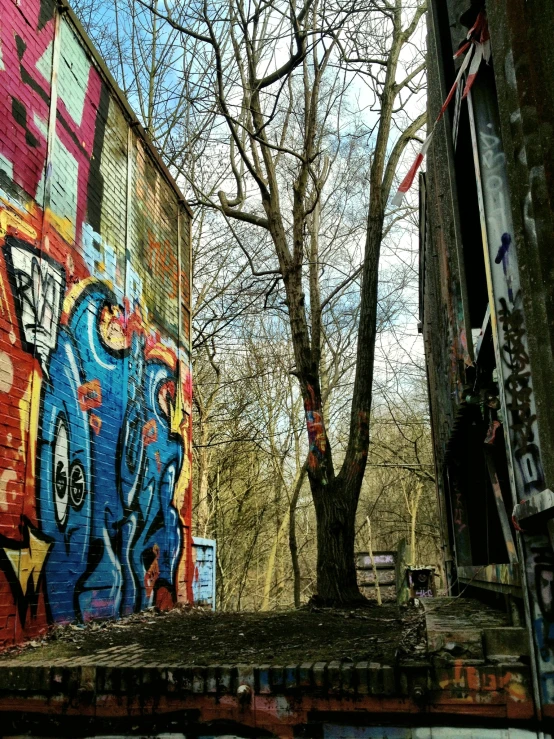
{"x": 77, "y": 488}
{"x": 61, "y": 472}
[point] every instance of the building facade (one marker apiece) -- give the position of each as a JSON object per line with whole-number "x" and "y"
{"x": 95, "y": 385}
{"x": 486, "y": 311}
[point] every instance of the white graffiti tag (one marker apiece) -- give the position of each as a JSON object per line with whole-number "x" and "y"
{"x": 39, "y": 285}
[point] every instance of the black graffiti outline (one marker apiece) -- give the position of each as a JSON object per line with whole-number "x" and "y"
{"x": 517, "y": 385}
{"x": 21, "y": 283}
{"x": 542, "y": 563}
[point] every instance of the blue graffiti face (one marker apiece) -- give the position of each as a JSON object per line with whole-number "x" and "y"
{"x": 109, "y": 465}
{"x": 100, "y": 589}
{"x": 65, "y": 478}
{"x": 158, "y": 542}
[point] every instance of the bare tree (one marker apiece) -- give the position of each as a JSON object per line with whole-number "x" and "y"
{"x": 278, "y": 75}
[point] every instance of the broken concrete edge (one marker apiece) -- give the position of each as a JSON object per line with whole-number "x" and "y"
{"x": 489, "y": 639}
{"x": 415, "y": 679}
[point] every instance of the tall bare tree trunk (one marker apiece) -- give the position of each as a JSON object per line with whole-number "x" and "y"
{"x": 412, "y": 504}
{"x": 373, "y": 563}
{"x": 335, "y": 506}
{"x": 203, "y": 456}
{"x": 270, "y": 569}
{"x": 293, "y": 547}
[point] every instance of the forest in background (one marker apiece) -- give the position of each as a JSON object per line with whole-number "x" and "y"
{"x": 250, "y": 488}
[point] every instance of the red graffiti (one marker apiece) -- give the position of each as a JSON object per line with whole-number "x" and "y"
{"x": 90, "y": 395}
{"x": 50, "y": 204}
{"x": 149, "y": 432}
{"x": 316, "y": 428}
{"x": 95, "y": 423}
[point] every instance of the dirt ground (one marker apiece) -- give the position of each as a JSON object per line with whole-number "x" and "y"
{"x": 201, "y": 637}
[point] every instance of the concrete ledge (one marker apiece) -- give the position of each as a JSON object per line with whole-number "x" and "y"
{"x": 407, "y": 678}
{"x": 272, "y": 698}
{"x": 473, "y": 667}
{"x": 334, "y": 678}
{"x": 501, "y": 643}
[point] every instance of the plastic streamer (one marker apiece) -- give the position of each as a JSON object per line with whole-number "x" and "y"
{"x": 476, "y": 48}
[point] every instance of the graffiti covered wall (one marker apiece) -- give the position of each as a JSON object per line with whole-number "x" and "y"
{"x": 95, "y": 386}
{"x": 515, "y": 371}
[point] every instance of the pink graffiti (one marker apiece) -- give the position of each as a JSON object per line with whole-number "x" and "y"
{"x": 316, "y": 428}
{"x": 26, "y": 100}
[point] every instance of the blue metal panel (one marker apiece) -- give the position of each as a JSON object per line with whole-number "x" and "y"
{"x": 203, "y": 583}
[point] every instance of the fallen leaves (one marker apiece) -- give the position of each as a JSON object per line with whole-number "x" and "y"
{"x": 281, "y": 637}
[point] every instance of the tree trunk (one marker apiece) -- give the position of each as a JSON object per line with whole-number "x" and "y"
{"x": 412, "y": 537}
{"x": 293, "y": 546}
{"x": 413, "y": 512}
{"x": 271, "y": 563}
{"x": 335, "y": 506}
{"x": 203, "y": 503}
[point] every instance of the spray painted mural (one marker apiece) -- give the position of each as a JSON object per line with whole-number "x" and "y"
{"x": 516, "y": 380}
{"x": 95, "y": 387}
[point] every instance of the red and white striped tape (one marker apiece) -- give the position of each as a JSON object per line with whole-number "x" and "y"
{"x": 477, "y": 48}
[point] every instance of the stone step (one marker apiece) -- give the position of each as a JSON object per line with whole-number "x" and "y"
{"x": 456, "y": 629}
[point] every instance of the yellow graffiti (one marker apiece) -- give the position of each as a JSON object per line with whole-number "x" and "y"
{"x": 74, "y": 294}
{"x": 515, "y": 689}
{"x": 9, "y": 218}
{"x": 4, "y": 305}
{"x": 29, "y": 412}
{"x": 28, "y": 562}
{"x": 63, "y": 226}
{"x": 111, "y": 329}
{"x": 179, "y": 425}
{"x": 163, "y": 353}
{"x": 7, "y": 477}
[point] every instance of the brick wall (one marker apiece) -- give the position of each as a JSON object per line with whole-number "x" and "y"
{"x": 95, "y": 386}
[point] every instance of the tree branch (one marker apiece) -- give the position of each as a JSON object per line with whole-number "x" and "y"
{"x": 396, "y": 153}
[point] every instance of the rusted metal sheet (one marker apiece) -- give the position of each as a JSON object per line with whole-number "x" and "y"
{"x": 500, "y": 507}
{"x": 542, "y": 502}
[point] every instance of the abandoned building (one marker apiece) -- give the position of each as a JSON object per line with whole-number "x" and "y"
{"x": 96, "y": 394}
{"x": 486, "y": 307}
